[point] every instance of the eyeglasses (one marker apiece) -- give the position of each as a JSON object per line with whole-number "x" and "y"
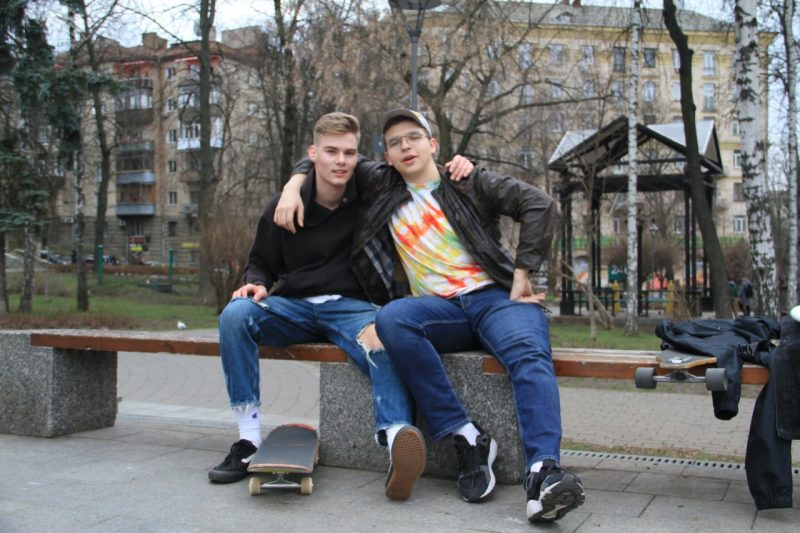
{"x": 413, "y": 138}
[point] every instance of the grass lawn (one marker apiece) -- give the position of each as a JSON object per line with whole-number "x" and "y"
{"x": 133, "y": 302}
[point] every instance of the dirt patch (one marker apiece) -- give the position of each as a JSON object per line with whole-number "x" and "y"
{"x": 66, "y": 321}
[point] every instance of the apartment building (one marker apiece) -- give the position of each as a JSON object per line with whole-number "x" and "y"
{"x": 578, "y": 57}
{"x": 155, "y": 130}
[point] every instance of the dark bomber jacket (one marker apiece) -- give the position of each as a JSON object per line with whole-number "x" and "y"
{"x": 472, "y": 206}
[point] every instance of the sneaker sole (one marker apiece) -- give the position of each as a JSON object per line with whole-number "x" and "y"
{"x": 408, "y": 463}
{"x": 226, "y": 477}
{"x": 492, "y": 479}
{"x": 556, "y": 501}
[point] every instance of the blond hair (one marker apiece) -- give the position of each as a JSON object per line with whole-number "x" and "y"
{"x": 336, "y": 123}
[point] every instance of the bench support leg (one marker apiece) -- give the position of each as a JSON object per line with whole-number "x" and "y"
{"x": 347, "y": 419}
{"x": 49, "y": 392}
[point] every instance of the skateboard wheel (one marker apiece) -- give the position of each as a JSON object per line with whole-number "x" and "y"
{"x": 716, "y": 379}
{"x": 306, "y": 486}
{"x": 255, "y": 486}
{"x": 645, "y": 378}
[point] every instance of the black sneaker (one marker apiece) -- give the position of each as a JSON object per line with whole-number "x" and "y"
{"x": 475, "y": 477}
{"x": 408, "y": 462}
{"x": 234, "y": 467}
{"x": 552, "y": 493}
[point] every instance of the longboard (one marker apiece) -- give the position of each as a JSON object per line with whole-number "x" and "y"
{"x": 677, "y": 364}
{"x": 288, "y": 449}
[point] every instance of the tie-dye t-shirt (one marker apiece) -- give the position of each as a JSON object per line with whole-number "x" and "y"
{"x": 435, "y": 261}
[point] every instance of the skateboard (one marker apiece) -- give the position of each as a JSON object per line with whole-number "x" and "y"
{"x": 678, "y": 365}
{"x": 288, "y": 449}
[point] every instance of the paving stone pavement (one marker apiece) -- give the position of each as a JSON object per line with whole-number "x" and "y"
{"x": 149, "y": 471}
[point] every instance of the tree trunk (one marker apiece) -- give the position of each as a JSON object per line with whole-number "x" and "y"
{"x": 748, "y": 105}
{"x": 105, "y": 148}
{"x": 700, "y": 207}
{"x": 207, "y": 178}
{"x": 4, "y": 308}
{"x": 82, "y": 295}
{"x": 791, "y": 94}
{"x": 632, "y": 293}
{"x": 28, "y": 270}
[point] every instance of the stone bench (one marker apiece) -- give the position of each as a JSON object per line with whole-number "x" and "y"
{"x": 57, "y": 382}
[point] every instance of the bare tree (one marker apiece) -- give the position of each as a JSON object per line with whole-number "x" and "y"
{"x": 748, "y": 85}
{"x": 702, "y": 211}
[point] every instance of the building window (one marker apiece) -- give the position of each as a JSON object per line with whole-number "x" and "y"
{"x": 556, "y": 52}
{"x": 619, "y": 225}
{"x": 169, "y": 72}
{"x": 676, "y": 91}
{"x": 618, "y": 58}
{"x": 556, "y": 89}
{"x": 676, "y": 59}
{"x": 649, "y": 58}
{"x": 172, "y": 228}
{"x": 738, "y": 224}
{"x": 649, "y": 92}
{"x": 525, "y": 55}
{"x": 709, "y": 63}
{"x": 526, "y": 94}
{"x": 190, "y": 130}
{"x": 587, "y": 55}
{"x": 737, "y": 159}
{"x": 709, "y": 97}
{"x": 617, "y": 90}
{"x": 172, "y": 198}
{"x": 588, "y": 89}
{"x": 556, "y": 122}
{"x": 172, "y": 136}
{"x": 738, "y": 192}
{"x": 172, "y": 105}
{"x": 735, "y": 128}
{"x": 680, "y": 224}
{"x": 172, "y": 166}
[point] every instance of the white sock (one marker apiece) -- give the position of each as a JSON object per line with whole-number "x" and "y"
{"x": 391, "y": 433}
{"x": 249, "y": 422}
{"x": 535, "y": 467}
{"x": 469, "y": 432}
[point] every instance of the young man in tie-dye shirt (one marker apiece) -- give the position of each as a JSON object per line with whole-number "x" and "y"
{"x": 467, "y": 292}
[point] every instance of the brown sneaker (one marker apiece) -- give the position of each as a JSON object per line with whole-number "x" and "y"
{"x": 408, "y": 462}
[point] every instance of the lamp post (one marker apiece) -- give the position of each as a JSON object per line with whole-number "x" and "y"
{"x": 420, "y": 6}
{"x": 653, "y": 231}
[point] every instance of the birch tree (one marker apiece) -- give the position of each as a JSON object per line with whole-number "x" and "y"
{"x": 632, "y": 296}
{"x": 748, "y": 105}
{"x": 790, "y": 45}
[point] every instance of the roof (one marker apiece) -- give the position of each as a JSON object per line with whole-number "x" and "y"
{"x": 584, "y": 153}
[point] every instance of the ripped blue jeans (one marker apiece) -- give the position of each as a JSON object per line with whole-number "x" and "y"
{"x": 278, "y": 321}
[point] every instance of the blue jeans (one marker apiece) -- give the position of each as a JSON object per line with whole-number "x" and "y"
{"x": 277, "y": 321}
{"x": 415, "y": 330}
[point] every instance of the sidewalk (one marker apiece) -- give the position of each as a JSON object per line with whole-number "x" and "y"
{"x": 148, "y": 472}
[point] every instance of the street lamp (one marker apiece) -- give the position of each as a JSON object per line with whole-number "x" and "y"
{"x": 420, "y": 6}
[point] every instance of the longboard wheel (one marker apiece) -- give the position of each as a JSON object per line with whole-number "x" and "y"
{"x": 306, "y": 486}
{"x": 645, "y": 378}
{"x": 716, "y": 379}
{"x": 255, "y": 486}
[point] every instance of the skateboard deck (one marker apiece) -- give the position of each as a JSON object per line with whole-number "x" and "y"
{"x": 678, "y": 365}
{"x": 288, "y": 449}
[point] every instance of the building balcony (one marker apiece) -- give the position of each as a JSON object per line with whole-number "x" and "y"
{"x": 147, "y": 177}
{"x": 144, "y": 146}
{"x": 135, "y": 117}
{"x": 194, "y": 144}
{"x": 189, "y": 210}
{"x": 190, "y": 177}
{"x": 136, "y": 209}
